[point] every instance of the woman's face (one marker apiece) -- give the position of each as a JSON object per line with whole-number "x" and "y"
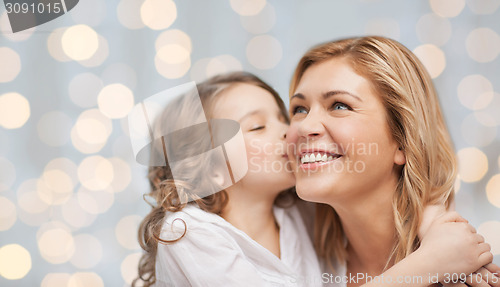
{"x": 263, "y": 127}
{"x": 337, "y": 114}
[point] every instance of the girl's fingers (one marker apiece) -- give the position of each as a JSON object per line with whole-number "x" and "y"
{"x": 486, "y": 257}
{"x": 488, "y": 277}
{"x": 493, "y": 268}
{"x": 476, "y": 280}
{"x": 479, "y": 238}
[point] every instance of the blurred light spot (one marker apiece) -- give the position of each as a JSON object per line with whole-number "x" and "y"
{"x": 4, "y": 148}
{"x": 126, "y": 231}
{"x": 28, "y": 198}
{"x": 55, "y": 279}
{"x": 119, "y": 73}
{"x": 89, "y": 12}
{"x": 167, "y": 61}
{"x": 472, "y": 164}
{"x": 95, "y": 202}
{"x": 489, "y": 116}
{"x": 15, "y": 261}
{"x": 158, "y": 14}
{"x": 34, "y": 219}
{"x": 8, "y": 214}
{"x": 81, "y": 279}
{"x": 260, "y": 23}
{"x": 483, "y": 6}
{"x": 54, "y": 45}
{"x": 11, "y": 65}
{"x": 56, "y": 245}
{"x": 76, "y": 216}
{"x": 433, "y": 59}
{"x": 247, "y": 7}
{"x": 493, "y": 190}
{"x": 174, "y": 37}
{"x": 485, "y": 119}
{"x": 14, "y": 110}
{"x": 491, "y": 232}
{"x": 80, "y": 42}
{"x": 457, "y": 184}
{"x": 99, "y": 56}
{"x": 128, "y": 14}
{"x": 264, "y": 52}
{"x": 6, "y": 29}
{"x": 475, "y": 92}
{"x": 387, "y": 27}
{"x": 447, "y": 8}
{"x": 115, "y": 101}
{"x": 477, "y": 134}
{"x": 483, "y": 45}
{"x": 54, "y": 128}
{"x": 122, "y": 174}
{"x": 129, "y": 267}
{"x": 65, "y": 164}
{"x": 84, "y": 88}
{"x": 55, "y": 187}
{"x": 91, "y": 140}
{"x": 88, "y": 251}
{"x": 433, "y": 29}
{"x": 95, "y": 173}
{"x": 199, "y": 70}
{"x": 223, "y": 64}
{"x": 7, "y": 174}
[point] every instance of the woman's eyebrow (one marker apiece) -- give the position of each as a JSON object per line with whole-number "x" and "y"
{"x": 338, "y": 92}
{"x": 328, "y": 95}
{"x": 298, "y": 95}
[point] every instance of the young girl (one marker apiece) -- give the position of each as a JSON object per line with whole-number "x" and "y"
{"x": 251, "y": 233}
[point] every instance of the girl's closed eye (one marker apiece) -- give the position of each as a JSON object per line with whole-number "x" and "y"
{"x": 257, "y": 127}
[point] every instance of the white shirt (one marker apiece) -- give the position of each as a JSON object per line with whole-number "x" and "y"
{"x": 215, "y": 253}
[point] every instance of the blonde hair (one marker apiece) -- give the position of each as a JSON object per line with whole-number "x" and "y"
{"x": 417, "y": 125}
{"x": 167, "y": 198}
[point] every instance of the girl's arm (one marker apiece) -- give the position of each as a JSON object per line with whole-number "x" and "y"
{"x": 450, "y": 246}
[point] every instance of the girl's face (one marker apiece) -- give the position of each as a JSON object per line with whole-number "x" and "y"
{"x": 336, "y": 114}
{"x": 263, "y": 127}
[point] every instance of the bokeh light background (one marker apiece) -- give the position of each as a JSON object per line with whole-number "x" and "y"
{"x": 70, "y": 190}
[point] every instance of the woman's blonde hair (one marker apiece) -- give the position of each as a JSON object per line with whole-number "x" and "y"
{"x": 417, "y": 125}
{"x": 166, "y": 197}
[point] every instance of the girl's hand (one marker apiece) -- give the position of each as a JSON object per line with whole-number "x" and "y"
{"x": 453, "y": 246}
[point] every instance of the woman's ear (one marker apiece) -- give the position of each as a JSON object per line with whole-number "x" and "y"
{"x": 399, "y": 157}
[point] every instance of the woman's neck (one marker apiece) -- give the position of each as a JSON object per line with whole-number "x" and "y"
{"x": 368, "y": 224}
{"x": 255, "y": 218}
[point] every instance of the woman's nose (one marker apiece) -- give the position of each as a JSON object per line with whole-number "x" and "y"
{"x": 311, "y": 126}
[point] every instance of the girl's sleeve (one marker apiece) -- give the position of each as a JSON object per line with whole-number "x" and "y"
{"x": 204, "y": 257}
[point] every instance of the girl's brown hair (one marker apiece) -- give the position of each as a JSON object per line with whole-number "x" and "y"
{"x": 417, "y": 124}
{"x": 167, "y": 198}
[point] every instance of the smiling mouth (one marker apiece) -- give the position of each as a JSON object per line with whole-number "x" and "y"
{"x": 318, "y": 157}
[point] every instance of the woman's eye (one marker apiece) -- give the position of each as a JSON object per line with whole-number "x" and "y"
{"x": 299, "y": 110}
{"x": 257, "y": 128}
{"x": 340, "y": 106}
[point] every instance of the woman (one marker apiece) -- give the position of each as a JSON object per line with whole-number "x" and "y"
{"x": 368, "y": 141}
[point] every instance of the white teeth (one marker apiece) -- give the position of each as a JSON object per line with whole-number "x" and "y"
{"x": 311, "y": 158}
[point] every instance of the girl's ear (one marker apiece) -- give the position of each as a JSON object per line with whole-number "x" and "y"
{"x": 399, "y": 157}
{"x": 218, "y": 177}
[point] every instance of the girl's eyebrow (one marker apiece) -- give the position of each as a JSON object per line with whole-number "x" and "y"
{"x": 249, "y": 114}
